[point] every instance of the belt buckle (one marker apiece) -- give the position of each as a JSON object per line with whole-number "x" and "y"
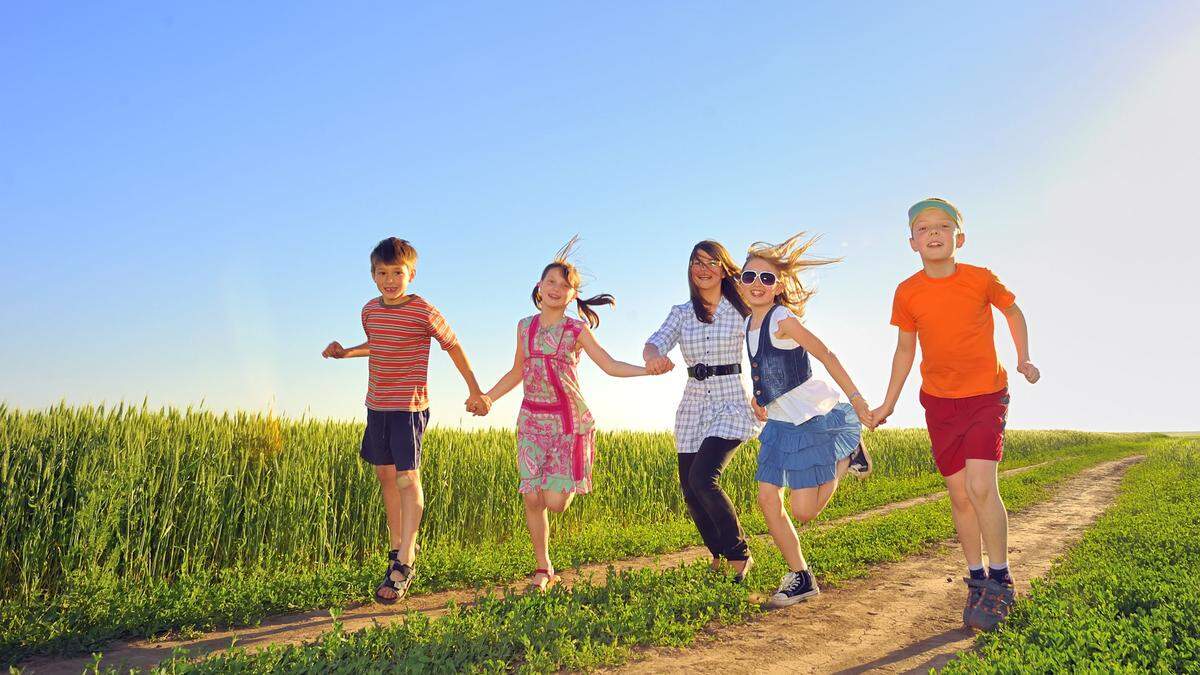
{"x": 701, "y": 371}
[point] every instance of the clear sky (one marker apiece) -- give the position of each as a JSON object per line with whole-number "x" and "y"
{"x": 188, "y": 194}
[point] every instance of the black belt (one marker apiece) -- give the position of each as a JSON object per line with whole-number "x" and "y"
{"x": 702, "y": 371}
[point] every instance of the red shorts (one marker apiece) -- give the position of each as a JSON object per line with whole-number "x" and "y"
{"x": 965, "y": 428}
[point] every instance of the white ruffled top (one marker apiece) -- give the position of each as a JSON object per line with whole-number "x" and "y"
{"x": 814, "y": 397}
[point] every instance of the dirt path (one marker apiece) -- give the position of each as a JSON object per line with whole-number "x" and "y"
{"x": 905, "y": 617}
{"x": 295, "y": 628}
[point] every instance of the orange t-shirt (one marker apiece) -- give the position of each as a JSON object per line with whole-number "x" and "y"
{"x": 952, "y": 318}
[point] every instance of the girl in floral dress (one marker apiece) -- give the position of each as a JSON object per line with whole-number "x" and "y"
{"x": 555, "y": 429}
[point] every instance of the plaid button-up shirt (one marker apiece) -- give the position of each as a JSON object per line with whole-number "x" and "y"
{"x": 719, "y": 405}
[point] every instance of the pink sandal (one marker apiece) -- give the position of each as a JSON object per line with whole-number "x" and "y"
{"x": 550, "y": 580}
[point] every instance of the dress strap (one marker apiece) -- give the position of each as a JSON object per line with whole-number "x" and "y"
{"x": 533, "y": 329}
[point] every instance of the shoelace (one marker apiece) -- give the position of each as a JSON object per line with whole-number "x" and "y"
{"x": 796, "y": 583}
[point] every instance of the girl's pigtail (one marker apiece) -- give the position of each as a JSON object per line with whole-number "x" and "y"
{"x": 583, "y": 307}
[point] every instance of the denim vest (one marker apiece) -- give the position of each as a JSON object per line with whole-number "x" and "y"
{"x": 775, "y": 371}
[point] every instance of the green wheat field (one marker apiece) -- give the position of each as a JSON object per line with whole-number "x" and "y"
{"x": 122, "y": 522}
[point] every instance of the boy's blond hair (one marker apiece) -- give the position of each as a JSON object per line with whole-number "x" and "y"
{"x": 788, "y": 258}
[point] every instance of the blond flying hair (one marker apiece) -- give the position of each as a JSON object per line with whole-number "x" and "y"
{"x": 788, "y": 258}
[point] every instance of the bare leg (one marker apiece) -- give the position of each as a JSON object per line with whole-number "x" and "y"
{"x": 770, "y": 500}
{"x": 538, "y": 522}
{"x": 412, "y": 502}
{"x": 558, "y": 501}
{"x": 983, "y": 490}
{"x": 386, "y": 475}
{"x": 966, "y": 524}
{"x": 808, "y": 503}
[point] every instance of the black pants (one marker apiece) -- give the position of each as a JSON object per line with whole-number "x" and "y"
{"x": 709, "y": 507}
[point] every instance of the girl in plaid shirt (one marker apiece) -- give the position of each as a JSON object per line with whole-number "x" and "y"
{"x": 714, "y": 416}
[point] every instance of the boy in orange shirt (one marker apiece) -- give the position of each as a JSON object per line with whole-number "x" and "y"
{"x": 947, "y": 306}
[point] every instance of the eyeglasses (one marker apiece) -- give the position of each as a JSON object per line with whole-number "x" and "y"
{"x": 710, "y": 264}
{"x": 768, "y": 278}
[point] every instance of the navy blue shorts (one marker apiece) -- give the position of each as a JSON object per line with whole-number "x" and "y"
{"x": 394, "y": 437}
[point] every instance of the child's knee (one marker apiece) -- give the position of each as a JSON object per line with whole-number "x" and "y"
{"x": 804, "y": 514}
{"x": 407, "y": 479}
{"x": 557, "y": 501}
{"x": 769, "y": 498}
{"x": 960, "y": 501}
{"x": 533, "y": 500}
{"x": 385, "y": 473}
{"x": 980, "y": 491}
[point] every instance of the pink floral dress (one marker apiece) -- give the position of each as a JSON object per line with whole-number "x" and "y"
{"x": 556, "y": 437}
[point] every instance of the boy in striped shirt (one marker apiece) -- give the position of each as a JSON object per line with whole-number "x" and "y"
{"x": 399, "y": 327}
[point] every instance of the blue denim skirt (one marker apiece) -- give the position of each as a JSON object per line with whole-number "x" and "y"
{"x": 806, "y": 455}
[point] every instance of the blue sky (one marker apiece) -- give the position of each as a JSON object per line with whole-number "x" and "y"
{"x": 188, "y": 194}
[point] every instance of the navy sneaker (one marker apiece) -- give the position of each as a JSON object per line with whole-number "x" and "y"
{"x": 794, "y": 587}
{"x": 861, "y": 465}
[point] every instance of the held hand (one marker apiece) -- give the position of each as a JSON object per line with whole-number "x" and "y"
{"x": 759, "y": 411}
{"x": 479, "y": 405}
{"x": 334, "y": 351}
{"x": 865, "y": 416}
{"x": 880, "y": 415}
{"x": 659, "y": 366}
{"x": 1030, "y": 371}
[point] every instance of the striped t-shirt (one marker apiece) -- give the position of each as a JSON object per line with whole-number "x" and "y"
{"x": 398, "y": 337}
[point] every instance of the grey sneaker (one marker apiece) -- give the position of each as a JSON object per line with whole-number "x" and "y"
{"x": 974, "y": 593}
{"x": 794, "y": 587}
{"x": 993, "y": 605}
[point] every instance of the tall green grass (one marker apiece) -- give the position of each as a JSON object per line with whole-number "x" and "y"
{"x": 138, "y": 494}
{"x": 590, "y": 626}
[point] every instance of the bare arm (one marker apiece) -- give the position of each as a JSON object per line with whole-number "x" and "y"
{"x": 512, "y": 377}
{"x": 459, "y": 357}
{"x": 793, "y": 329}
{"x": 1020, "y": 335}
{"x": 335, "y": 350}
{"x": 906, "y": 351}
{"x": 606, "y": 362}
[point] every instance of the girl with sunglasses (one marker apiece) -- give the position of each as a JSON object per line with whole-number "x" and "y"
{"x": 714, "y": 416}
{"x": 811, "y": 439}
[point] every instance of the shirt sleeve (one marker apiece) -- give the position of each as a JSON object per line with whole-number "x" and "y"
{"x": 902, "y": 317}
{"x": 667, "y": 335}
{"x": 997, "y": 294}
{"x": 364, "y": 323}
{"x": 440, "y": 330}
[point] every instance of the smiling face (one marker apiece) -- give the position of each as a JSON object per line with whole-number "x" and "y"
{"x": 935, "y": 235}
{"x": 756, "y": 294}
{"x": 392, "y": 280}
{"x": 705, "y": 271}
{"x": 555, "y": 290}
